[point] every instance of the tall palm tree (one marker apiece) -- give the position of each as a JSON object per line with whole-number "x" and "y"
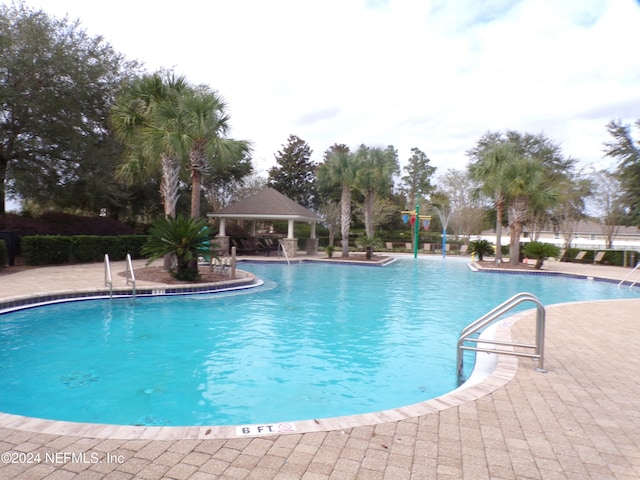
{"x": 196, "y": 127}
{"x": 528, "y": 187}
{"x": 489, "y": 172}
{"x": 133, "y": 116}
{"x": 374, "y": 176}
{"x": 339, "y": 170}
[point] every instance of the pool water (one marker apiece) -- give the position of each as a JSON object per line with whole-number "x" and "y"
{"x": 315, "y": 341}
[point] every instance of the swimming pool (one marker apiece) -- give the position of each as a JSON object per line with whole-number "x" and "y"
{"x": 316, "y": 341}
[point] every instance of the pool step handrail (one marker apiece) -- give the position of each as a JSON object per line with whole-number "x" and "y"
{"x": 108, "y": 280}
{"x": 284, "y": 250}
{"x": 130, "y": 275}
{"x": 627, "y": 277}
{"x": 494, "y": 315}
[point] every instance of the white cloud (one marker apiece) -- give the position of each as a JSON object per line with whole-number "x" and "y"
{"x": 413, "y": 73}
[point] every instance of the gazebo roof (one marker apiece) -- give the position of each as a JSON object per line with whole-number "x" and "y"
{"x": 268, "y": 204}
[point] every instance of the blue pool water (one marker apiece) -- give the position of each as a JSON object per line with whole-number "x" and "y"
{"x": 315, "y": 341}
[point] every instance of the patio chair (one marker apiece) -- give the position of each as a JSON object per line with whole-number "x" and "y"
{"x": 599, "y": 257}
{"x": 580, "y": 256}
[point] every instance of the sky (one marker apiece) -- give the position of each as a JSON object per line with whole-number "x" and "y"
{"x": 431, "y": 74}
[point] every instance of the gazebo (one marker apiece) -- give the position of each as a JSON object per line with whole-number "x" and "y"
{"x": 269, "y": 204}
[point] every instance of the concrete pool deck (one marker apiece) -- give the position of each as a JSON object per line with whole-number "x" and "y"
{"x": 579, "y": 420}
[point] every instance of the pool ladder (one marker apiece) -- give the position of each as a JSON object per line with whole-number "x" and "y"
{"x": 129, "y": 274}
{"x": 627, "y": 277}
{"x": 491, "y": 317}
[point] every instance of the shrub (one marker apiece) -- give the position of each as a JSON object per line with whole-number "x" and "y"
{"x": 185, "y": 237}
{"x": 481, "y": 248}
{"x": 46, "y": 249}
{"x": 55, "y": 249}
{"x": 540, "y": 251}
{"x": 58, "y": 223}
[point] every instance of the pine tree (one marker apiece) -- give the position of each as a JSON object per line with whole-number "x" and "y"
{"x": 295, "y": 174}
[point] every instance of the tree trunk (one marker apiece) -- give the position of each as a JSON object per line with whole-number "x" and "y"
{"x": 517, "y": 215}
{"x": 169, "y": 185}
{"x": 345, "y": 218}
{"x": 368, "y": 213}
{"x": 197, "y": 164}
{"x": 499, "y": 215}
{"x": 4, "y": 164}
{"x": 514, "y": 245}
{"x": 196, "y": 183}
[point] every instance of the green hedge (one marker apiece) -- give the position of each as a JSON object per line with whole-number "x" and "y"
{"x": 55, "y": 249}
{"x": 4, "y": 256}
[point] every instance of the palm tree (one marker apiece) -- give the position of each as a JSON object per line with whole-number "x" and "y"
{"x": 527, "y": 187}
{"x": 540, "y": 252}
{"x": 480, "y": 248}
{"x": 375, "y": 170}
{"x": 489, "y": 172}
{"x": 183, "y": 237}
{"x": 196, "y": 127}
{"x": 339, "y": 169}
{"x": 132, "y": 117}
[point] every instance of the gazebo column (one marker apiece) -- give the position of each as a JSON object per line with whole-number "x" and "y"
{"x": 222, "y": 241}
{"x": 290, "y": 244}
{"x": 312, "y": 242}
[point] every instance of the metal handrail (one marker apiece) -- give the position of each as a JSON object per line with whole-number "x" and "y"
{"x": 630, "y": 273}
{"x": 284, "y": 250}
{"x": 130, "y": 275}
{"x": 491, "y": 317}
{"x": 108, "y": 280}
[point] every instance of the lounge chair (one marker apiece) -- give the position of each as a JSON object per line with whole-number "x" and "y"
{"x": 388, "y": 245}
{"x": 599, "y": 257}
{"x": 580, "y": 256}
{"x": 408, "y": 246}
{"x": 463, "y": 249}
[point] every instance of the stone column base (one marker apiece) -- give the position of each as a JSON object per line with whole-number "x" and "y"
{"x": 290, "y": 245}
{"x": 221, "y": 245}
{"x": 312, "y": 246}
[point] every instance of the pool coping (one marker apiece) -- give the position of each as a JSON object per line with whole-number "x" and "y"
{"x": 476, "y": 267}
{"x": 248, "y": 280}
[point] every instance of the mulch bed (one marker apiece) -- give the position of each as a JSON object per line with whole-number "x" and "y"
{"x": 504, "y": 266}
{"x": 357, "y": 258}
{"x": 160, "y": 275}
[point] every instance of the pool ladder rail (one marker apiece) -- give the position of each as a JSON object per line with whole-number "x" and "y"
{"x": 627, "y": 277}
{"x": 129, "y": 274}
{"x": 494, "y": 315}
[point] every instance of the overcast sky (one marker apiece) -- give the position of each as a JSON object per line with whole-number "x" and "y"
{"x": 429, "y": 74}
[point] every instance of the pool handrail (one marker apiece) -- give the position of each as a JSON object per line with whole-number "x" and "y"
{"x": 494, "y": 315}
{"x": 284, "y": 250}
{"x": 630, "y": 273}
{"x": 108, "y": 280}
{"x": 130, "y": 275}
